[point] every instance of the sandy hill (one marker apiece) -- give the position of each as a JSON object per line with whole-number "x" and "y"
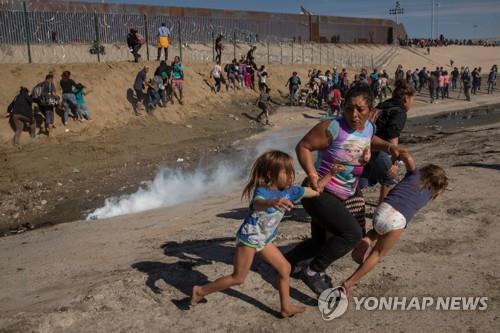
{"x": 110, "y": 83}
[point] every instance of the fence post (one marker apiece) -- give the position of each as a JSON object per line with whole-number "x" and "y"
{"x": 320, "y": 54}
{"x": 97, "y": 40}
{"x": 292, "y": 53}
{"x": 373, "y": 65}
{"x": 180, "y": 39}
{"x": 234, "y": 44}
{"x": 268, "y": 62}
{"x": 333, "y": 51}
{"x": 328, "y": 55}
{"x": 302, "y": 51}
{"x": 281, "y": 53}
{"x": 213, "y": 47}
{"x": 26, "y": 28}
{"x": 146, "y": 35}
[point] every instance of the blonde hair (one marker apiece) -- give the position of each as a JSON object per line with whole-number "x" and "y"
{"x": 266, "y": 170}
{"x": 434, "y": 178}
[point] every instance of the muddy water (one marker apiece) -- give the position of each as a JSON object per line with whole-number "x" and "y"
{"x": 431, "y": 127}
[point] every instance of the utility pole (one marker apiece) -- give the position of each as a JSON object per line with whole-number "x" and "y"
{"x": 432, "y": 20}
{"x": 396, "y": 11}
{"x": 437, "y": 20}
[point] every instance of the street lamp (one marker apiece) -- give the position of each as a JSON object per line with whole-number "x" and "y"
{"x": 437, "y": 19}
{"x": 397, "y": 11}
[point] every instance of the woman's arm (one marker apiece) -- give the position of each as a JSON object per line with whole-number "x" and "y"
{"x": 383, "y": 245}
{"x": 378, "y": 144}
{"x": 318, "y": 138}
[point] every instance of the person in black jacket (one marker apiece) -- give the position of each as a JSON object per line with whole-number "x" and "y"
{"x": 423, "y": 78}
{"x": 21, "y": 112}
{"x": 134, "y": 44}
{"x": 390, "y": 119}
{"x": 466, "y": 82}
{"x": 219, "y": 46}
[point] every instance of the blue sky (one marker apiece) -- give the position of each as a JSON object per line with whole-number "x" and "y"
{"x": 457, "y": 18}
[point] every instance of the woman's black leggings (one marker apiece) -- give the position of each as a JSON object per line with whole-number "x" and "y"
{"x": 334, "y": 232}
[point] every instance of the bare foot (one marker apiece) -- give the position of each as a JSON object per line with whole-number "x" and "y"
{"x": 362, "y": 250}
{"x": 196, "y": 296}
{"x": 291, "y": 310}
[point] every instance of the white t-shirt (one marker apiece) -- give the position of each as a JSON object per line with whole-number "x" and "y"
{"x": 263, "y": 76}
{"x": 216, "y": 71}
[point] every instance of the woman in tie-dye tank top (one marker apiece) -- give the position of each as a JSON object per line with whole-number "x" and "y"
{"x": 344, "y": 142}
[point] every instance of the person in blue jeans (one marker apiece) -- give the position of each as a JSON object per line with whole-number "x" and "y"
{"x": 293, "y": 83}
{"x": 69, "y": 98}
{"x": 82, "y": 106}
{"x": 390, "y": 121}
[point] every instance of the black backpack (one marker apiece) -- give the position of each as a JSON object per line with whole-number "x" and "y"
{"x": 37, "y": 91}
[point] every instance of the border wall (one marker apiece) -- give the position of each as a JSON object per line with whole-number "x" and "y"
{"x": 33, "y": 23}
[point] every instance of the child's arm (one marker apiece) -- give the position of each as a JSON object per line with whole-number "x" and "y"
{"x": 310, "y": 193}
{"x": 408, "y": 160}
{"x": 336, "y": 168}
{"x": 260, "y": 204}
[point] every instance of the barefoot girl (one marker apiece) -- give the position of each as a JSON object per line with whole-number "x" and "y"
{"x": 393, "y": 215}
{"x": 270, "y": 183}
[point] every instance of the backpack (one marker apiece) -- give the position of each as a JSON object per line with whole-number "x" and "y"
{"x": 37, "y": 91}
{"x": 47, "y": 98}
{"x": 140, "y": 38}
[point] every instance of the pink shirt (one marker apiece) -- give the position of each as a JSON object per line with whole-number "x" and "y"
{"x": 446, "y": 80}
{"x": 336, "y": 97}
{"x": 441, "y": 81}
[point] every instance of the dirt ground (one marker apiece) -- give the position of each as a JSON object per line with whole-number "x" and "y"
{"x": 134, "y": 273}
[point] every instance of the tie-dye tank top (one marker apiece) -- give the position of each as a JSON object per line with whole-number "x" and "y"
{"x": 350, "y": 148}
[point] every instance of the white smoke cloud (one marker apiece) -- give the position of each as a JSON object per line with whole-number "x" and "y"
{"x": 171, "y": 186}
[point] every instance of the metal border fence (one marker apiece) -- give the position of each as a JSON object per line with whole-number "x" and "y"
{"x": 61, "y": 23}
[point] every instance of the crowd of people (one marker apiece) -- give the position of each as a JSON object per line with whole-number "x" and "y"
{"x": 427, "y": 42}
{"x": 329, "y": 88}
{"x": 162, "y": 87}
{"x": 47, "y": 104}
